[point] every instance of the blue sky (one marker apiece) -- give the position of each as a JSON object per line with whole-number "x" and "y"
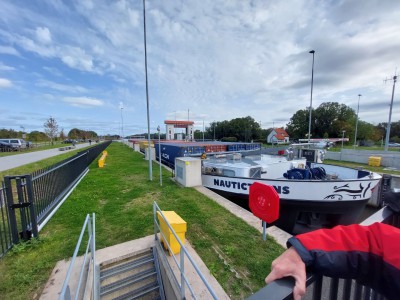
{"x": 82, "y": 62}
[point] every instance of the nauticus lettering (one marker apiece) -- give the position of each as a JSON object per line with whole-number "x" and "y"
{"x": 244, "y": 186}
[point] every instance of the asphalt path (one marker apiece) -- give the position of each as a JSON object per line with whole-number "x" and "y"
{"x": 17, "y": 160}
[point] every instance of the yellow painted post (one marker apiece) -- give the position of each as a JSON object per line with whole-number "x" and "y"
{"x": 179, "y": 226}
{"x": 103, "y": 159}
{"x": 374, "y": 161}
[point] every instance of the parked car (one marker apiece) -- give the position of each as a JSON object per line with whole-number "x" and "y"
{"x": 6, "y": 147}
{"x": 69, "y": 141}
{"x": 17, "y": 143}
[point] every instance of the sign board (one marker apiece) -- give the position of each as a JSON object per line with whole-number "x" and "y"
{"x": 264, "y": 202}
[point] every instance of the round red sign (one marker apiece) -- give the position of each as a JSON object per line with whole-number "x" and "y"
{"x": 264, "y": 202}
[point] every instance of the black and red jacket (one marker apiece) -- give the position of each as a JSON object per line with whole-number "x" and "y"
{"x": 369, "y": 254}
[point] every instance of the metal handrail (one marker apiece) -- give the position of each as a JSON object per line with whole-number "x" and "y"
{"x": 183, "y": 252}
{"x": 91, "y": 245}
{"x": 283, "y": 288}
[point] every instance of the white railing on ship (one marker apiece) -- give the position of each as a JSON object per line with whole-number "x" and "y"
{"x": 65, "y": 294}
{"x": 181, "y": 266}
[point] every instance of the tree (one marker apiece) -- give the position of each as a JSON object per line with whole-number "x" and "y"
{"x": 243, "y": 129}
{"x": 51, "y": 128}
{"x": 62, "y": 134}
{"x": 37, "y": 136}
{"x": 298, "y": 125}
{"x": 332, "y": 118}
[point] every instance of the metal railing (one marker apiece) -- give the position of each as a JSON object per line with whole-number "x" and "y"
{"x": 27, "y": 202}
{"x": 73, "y": 289}
{"x": 183, "y": 282}
{"x": 50, "y": 185}
{"x": 320, "y": 287}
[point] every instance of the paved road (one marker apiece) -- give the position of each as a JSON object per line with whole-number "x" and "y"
{"x": 17, "y": 160}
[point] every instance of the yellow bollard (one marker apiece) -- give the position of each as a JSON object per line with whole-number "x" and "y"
{"x": 179, "y": 226}
{"x": 103, "y": 159}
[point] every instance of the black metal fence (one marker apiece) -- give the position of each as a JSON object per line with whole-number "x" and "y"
{"x": 28, "y": 201}
{"x": 5, "y": 229}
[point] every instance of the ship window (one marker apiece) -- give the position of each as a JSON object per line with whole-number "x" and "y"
{"x": 226, "y": 172}
{"x": 255, "y": 173}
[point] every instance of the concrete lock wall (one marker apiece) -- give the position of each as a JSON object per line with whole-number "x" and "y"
{"x": 389, "y": 159}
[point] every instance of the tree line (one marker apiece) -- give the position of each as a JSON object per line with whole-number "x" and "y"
{"x": 50, "y": 132}
{"x": 329, "y": 120}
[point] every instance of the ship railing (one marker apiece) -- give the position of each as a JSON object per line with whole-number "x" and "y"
{"x": 322, "y": 287}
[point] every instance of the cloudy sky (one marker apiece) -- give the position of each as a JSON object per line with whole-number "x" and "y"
{"x": 82, "y": 61}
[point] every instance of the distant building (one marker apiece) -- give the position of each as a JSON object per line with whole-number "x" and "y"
{"x": 278, "y": 136}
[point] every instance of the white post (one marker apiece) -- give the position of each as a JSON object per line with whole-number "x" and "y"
{"x": 358, "y": 108}
{"x": 159, "y": 152}
{"x": 312, "y": 82}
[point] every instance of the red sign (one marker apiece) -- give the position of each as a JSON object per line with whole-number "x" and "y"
{"x": 264, "y": 202}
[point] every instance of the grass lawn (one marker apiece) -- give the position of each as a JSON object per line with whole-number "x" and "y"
{"x": 121, "y": 195}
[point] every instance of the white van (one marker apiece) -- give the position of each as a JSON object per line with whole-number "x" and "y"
{"x": 17, "y": 143}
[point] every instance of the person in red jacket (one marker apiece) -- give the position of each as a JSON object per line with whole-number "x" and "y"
{"x": 369, "y": 254}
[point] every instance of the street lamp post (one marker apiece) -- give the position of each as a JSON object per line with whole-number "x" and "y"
{"x": 147, "y": 92}
{"x": 203, "y": 130}
{"x": 312, "y": 83}
{"x": 358, "y": 108}
{"x": 390, "y": 116}
{"x": 122, "y": 121}
{"x": 343, "y": 131}
{"x": 343, "y": 137}
{"x": 159, "y": 152}
{"x": 214, "y": 129}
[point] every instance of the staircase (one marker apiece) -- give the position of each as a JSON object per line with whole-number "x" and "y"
{"x": 133, "y": 277}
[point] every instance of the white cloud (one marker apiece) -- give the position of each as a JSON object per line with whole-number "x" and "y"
{"x": 8, "y": 50}
{"x": 61, "y": 87}
{"x": 4, "y": 67}
{"x": 83, "y": 101}
{"x": 221, "y": 59}
{"x": 77, "y": 58}
{"x": 43, "y": 35}
{"x": 5, "y": 83}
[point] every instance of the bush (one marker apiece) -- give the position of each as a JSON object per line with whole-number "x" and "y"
{"x": 229, "y": 139}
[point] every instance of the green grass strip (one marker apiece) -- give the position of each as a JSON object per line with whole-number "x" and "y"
{"x": 121, "y": 195}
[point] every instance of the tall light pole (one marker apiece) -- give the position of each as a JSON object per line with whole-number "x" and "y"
{"x": 203, "y": 130}
{"x": 343, "y": 131}
{"x": 122, "y": 120}
{"x": 312, "y": 83}
{"x": 159, "y": 152}
{"x": 390, "y": 116}
{"x": 147, "y": 92}
{"x": 214, "y": 130}
{"x": 358, "y": 108}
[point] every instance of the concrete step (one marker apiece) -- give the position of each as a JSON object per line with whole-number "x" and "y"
{"x": 132, "y": 277}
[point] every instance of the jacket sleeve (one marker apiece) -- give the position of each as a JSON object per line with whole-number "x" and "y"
{"x": 369, "y": 254}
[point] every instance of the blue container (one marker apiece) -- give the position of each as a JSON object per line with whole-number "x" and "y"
{"x": 170, "y": 151}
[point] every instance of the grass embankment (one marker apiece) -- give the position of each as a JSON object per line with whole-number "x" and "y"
{"x": 121, "y": 195}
